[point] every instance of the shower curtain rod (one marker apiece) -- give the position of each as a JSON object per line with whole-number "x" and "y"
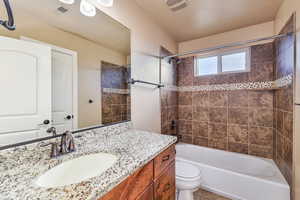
{"x": 226, "y": 46}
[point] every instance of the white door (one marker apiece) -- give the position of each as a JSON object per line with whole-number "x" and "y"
{"x": 64, "y": 86}
{"x": 89, "y": 97}
{"x": 62, "y": 91}
{"x": 25, "y": 88}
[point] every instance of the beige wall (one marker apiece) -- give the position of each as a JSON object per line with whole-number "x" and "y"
{"x": 247, "y": 33}
{"x": 287, "y": 8}
{"x": 146, "y": 39}
{"x": 90, "y": 56}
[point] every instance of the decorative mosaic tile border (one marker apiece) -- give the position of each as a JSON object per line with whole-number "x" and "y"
{"x": 116, "y": 91}
{"x": 282, "y": 82}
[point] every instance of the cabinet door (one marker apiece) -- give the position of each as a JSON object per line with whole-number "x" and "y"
{"x": 25, "y": 86}
{"x": 164, "y": 185}
{"x": 148, "y": 194}
{"x": 133, "y": 186}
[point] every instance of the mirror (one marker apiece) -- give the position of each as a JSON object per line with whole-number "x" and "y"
{"x": 63, "y": 69}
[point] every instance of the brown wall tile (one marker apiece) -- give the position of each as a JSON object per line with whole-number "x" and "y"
{"x": 261, "y": 151}
{"x": 262, "y": 71}
{"x": 185, "y": 112}
{"x": 218, "y": 144}
{"x": 288, "y": 125}
{"x": 172, "y": 113}
{"x": 261, "y": 117}
{"x": 187, "y": 139}
{"x": 288, "y": 153}
{"x": 279, "y": 121}
{"x": 200, "y": 129}
{"x": 201, "y": 99}
{"x": 201, "y": 141}
{"x": 238, "y": 98}
{"x": 185, "y": 127}
{"x": 217, "y": 131}
{"x": 261, "y": 136}
{"x": 261, "y": 99}
{"x": 200, "y": 113}
{"x": 218, "y": 99}
{"x": 185, "y": 73}
{"x": 185, "y": 98}
{"x": 238, "y": 116}
{"x": 218, "y": 115}
{"x": 279, "y": 146}
{"x": 238, "y": 134}
{"x": 238, "y": 148}
{"x": 262, "y": 53}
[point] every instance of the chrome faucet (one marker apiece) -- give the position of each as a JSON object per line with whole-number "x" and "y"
{"x": 67, "y": 143}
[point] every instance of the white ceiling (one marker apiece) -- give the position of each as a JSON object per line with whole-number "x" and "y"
{"x": 207, "y": 17}
{"x": 101, "y": 29}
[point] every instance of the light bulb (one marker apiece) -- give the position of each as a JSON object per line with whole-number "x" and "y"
{"x": 67, "y": 1}
{"x": 87, "y": 8}
{"x": 106, "y": 3}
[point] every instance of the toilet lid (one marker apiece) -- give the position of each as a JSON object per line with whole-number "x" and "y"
{"x": 186, "y": 170}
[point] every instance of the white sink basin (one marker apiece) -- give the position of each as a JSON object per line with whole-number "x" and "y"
{"x": 76, "y": 170}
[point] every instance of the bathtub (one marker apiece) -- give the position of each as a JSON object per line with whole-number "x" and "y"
{"x": 236, "y": 176}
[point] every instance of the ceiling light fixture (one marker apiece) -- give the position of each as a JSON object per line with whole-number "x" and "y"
{"x": 67, "y": 1}
{"x": 87, "y": 8}
{"x": 106, "y": 3}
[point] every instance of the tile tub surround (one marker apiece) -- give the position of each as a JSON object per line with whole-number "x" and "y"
{"x": 21, "y": 166}
{"x": 238, "y": 121}
{"x": 283, "y": 107}
{"x": 115, "y": 93}
{"x": 235, "y": 119}
{"x": 169, "y": 98}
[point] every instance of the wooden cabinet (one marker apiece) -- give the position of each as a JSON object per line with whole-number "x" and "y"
{"x": 164, "y": 185}
{"x": 154, "y": 181}
{"x": 148, "y": 194}
{"x": 133, "y": 186}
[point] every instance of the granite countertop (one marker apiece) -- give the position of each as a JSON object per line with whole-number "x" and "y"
{"x": 20, "y": 167}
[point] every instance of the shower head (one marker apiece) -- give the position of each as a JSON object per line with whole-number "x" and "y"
{"x": 174, "y": 60}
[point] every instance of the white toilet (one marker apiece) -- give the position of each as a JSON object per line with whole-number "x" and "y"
{"x": 188, "y": 179}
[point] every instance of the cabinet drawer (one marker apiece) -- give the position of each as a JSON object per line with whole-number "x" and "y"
{"x": 164, "y": 186}
{"x": 133, "y": 186}
{"x": 163, "y": 160}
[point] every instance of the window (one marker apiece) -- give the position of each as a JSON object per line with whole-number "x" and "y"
{"x": 228, "y": 62}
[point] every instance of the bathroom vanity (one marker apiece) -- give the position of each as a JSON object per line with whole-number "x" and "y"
{"x": 144, "y": 168}
{"x": 156, "y": 180}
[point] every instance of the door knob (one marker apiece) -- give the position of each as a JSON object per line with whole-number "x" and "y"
{"x": 46, "y": 122}
{"x": 68, "y": 117}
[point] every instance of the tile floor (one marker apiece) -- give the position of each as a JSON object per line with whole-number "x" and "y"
{"x": 205, "y": 195}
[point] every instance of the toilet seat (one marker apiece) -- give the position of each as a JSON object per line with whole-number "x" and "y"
{"x": 188, "y": 179}
{"x": 186, "y": 171}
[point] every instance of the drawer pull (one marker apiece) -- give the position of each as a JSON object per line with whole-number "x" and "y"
{"x": 167, "y": 187}
{"x": 166, "y": 158}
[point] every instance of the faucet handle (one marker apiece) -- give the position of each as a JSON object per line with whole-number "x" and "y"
{"x": 54, "y": 150}
{"x": 71, "y": 143}
{"x": 63, "y": 144}
{"x": 68, "y": 141}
